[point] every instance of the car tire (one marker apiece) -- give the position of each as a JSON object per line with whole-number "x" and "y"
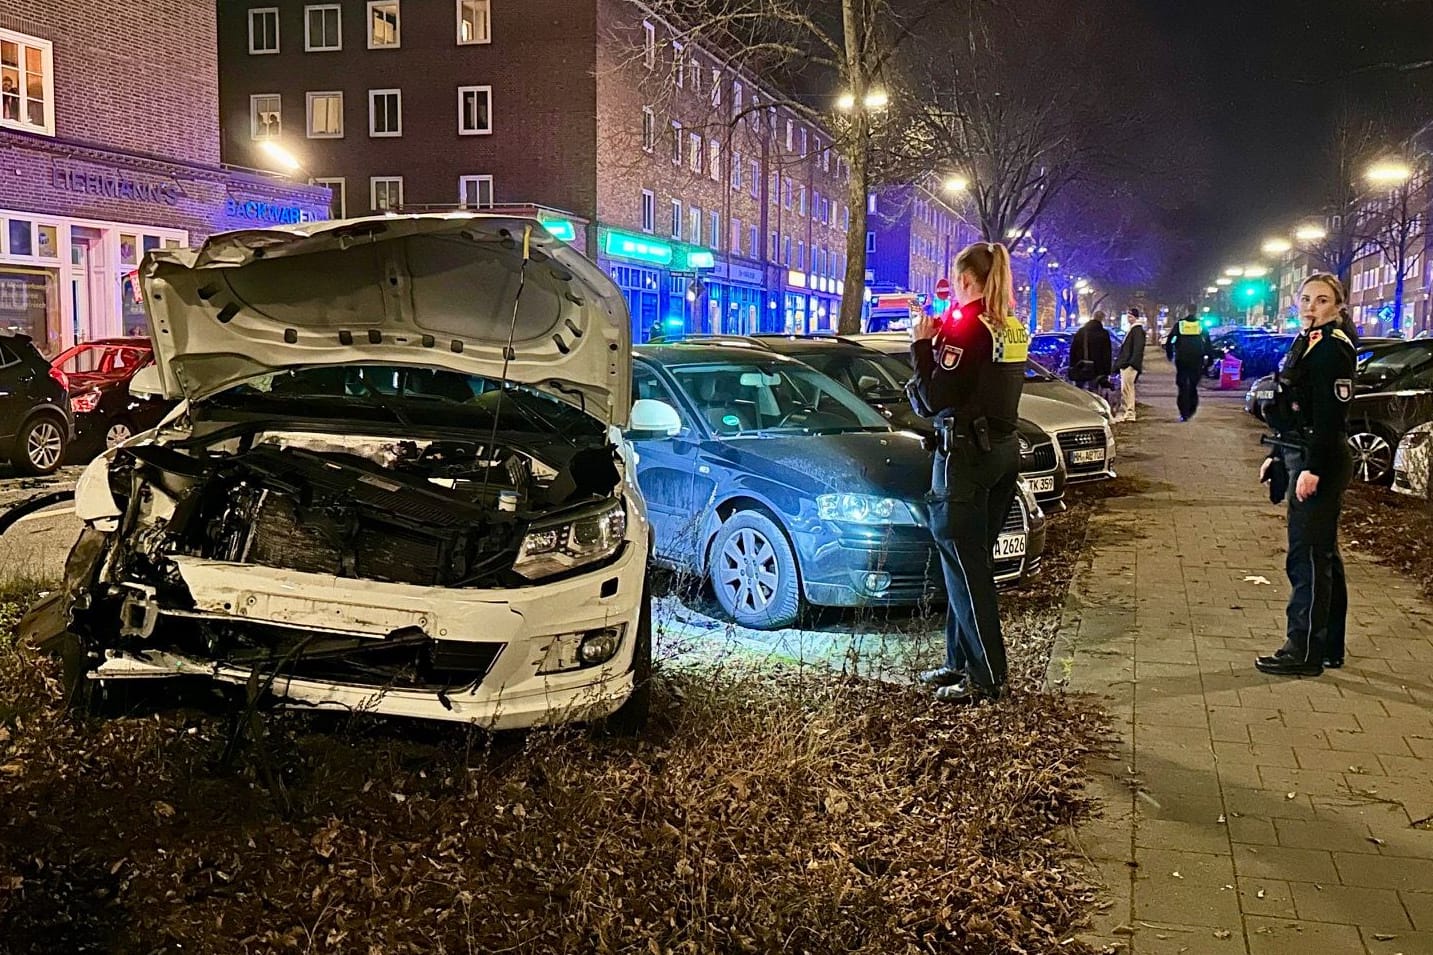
{"x": 41, "y": 445}
{"x": 119, "y": 431}
{"x": 1372, "y": 455}
{"x": 630, "y": 719}
{"x": 753, "y": 572}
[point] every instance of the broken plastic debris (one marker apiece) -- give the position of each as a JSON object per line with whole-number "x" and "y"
{"x": 1255, "y": 579}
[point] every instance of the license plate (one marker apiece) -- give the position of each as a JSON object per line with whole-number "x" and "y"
{"x": 1088, "y": 456}
{"x": 1010, "y": 545}
{"x": 1263, "y": 396}
{"x": 1042, "y": 485}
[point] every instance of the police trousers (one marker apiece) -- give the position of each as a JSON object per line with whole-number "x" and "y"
{"x": 1318, "y": 602}
{"x": 1186, "y": 378}
{"x": 971, "y": 494}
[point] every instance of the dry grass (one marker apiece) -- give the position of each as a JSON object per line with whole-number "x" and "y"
{"x": 1397, "y": 530}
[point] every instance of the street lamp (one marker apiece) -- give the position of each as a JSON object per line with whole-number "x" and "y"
{"x": 846, "y": 102}
{"x": 956, "y": 184}
{"x": 1234, "y": 270}
{"x": 1277, "y": 246}
{"x": 1212, "y": 290}
{"x": 280, "y": 155}
{"x": 1399, "y": 228}
{"x": 1310, "y": 233}
{"x": 1223, "y": 281}
{"x": 876, "y": 99}
{"x": 1388, "y": 173}
{"x": 1255, "y": 272}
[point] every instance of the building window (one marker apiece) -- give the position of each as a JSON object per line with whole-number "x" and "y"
{"x": 676, "y": 143}
{"x": 337, "y": 196}
{"x": 27, "y": 83}
{"x": 649, "y": 211}
{"x": 649, "y": 44}
{"x": 871, "y": 203}
{"x": 802, "y": 140}
{"x": 323, "y": 30}
{"x": 383, "y": 24}
{"x": 474, "y": 22}
{"x": 265, "y": 116}
{"x": 696, "y": 77}
{"x": 679, "y": 64}
{"x": 325, "y": 115}
{"x": 735, "y": 171}
{"x": 801, "y": 200}
{"x": 716, "y": 86}
{"x": 736, "y": 97}
{"x": 800, "y": 255}
{"x": 771, "y": 254}
{"x": 755, "y": 178}
{"x": 790, "y": 136}
{"x": 715, "y": 161}
{"x": 676, "y": 218}
{"x": 786, "y": 193}
{"x": 696, "y": 152}
{"x": 475, "y": 192}
{"x": 714, "y": 233}
{"x": 649, "y": 128}
{"x": 870, "y": 242}
{"x": 385, "y": 112}
{"x": 753, "y": 242}
{"x": 264, "y": 30}
{"x": 475, "y": 110}
{"x": 385, "y": 193}
{"x": 786, "y": 250}
{"x": 694, "y": 224}
{"x": 735, "y": 235}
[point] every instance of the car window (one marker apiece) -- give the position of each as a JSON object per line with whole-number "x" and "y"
{"x": 7, "y": 357}
{"x": 1418, "y": 380}
{"x": 1034, "y": 371}
{"x": 738, "y": 398}
{"x": 646, "y": 384}
{"x": 80, "y": 360}
{"x": 873, "y": 378}
{"x": 1388, "y": 365}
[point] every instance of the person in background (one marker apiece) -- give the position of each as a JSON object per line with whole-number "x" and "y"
{"x": 1130, "y": 364}
{"x": 1311, "y": 460}
{"x": 1091, "y": 354}
{"x": 1188, "y": 346}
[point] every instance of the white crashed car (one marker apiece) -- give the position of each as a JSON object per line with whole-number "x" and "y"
{"x": 349, "y": 509}
{"x": 1413, "y": 463}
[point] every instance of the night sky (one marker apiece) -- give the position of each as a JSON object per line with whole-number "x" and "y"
{"x": 1264, "y": 78}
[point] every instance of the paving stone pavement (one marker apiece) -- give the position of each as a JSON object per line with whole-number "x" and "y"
{"x": 1244, "y": 813}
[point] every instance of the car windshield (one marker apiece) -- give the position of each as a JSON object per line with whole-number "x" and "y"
{"x": 106, "y": 359}
{"x": 1034, "y": 371}
{"x": 762, "y": 398}
{"x": 870, "y": 374}
{"x": 432, "y": 397}
{"x": 1392, "y": 363}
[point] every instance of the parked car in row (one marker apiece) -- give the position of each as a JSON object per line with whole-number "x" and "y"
{"x": 879, "y": 380}
{"x": 396, "y": 485}
{"x": 782, "y": 488}
{"x": 106, "y": 412}
{"x": 1083, "y": 439}
{"x": 36, "y": 425}
{"x": 1413, "y": 463}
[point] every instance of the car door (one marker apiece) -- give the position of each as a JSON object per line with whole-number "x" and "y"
{"x": 14, "y": 393}
{"x": 1410, "y": 401}
{"x": 666, "y": 468}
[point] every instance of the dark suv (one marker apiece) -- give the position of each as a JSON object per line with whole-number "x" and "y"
{"x": 35, "y": 422}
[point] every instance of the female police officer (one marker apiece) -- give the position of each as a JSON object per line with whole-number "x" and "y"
{"x": 970, "y": 370}
{"x": 1310, "y": 414}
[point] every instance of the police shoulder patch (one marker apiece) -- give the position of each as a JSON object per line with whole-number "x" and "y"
{"x": 1338, "y": 333}
{"x": 1315, "y": 336}
{"x": 1343, "y": 389}
{"x": 950, "y": 357}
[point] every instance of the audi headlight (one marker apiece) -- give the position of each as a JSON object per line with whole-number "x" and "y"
{"x": 563, "y": 543}
{"x": 863, "y": 509}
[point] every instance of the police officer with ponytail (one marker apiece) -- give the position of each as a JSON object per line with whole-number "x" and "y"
{"x": 970, "y": 370}
{"x": 1311, "y": 462}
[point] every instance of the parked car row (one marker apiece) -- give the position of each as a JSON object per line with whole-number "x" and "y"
{"x": 441, "y": 499}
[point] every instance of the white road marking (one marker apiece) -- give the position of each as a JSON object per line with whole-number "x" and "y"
{"x": 42, "y": 515}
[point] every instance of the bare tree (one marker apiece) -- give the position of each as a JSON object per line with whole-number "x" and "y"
{"x": 1395, "y": 224}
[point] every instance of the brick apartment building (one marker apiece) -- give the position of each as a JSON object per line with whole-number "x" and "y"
{"x": 1373, "y": 279}
{"x": 914, "y": 236}
{"x": 104, "y": 156}
{"x": 712, "y": 215}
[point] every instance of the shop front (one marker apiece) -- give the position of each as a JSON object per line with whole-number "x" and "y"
{"x": 735, "y": 299}
{"x": 666, "y": 284}
{"x": 76, "y": 222}
{"x": 813, "y": 304}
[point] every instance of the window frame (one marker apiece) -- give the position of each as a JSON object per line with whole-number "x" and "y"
{"x": 397, "y": 24}
{"x": 342, "y": 191}
{"x": 714, "y": 228}
{"x": 373, "y": 182}
{"x": 477, "y": 179}
{"x": 676, "y": 142}
{"x": 254, "y": 116}
{"x": 487, "y": 7}
{"x": 277, "y": 33}
{"x": 649, "y": 129}
{"x": 714, "y": 159}
{"x": 462, "y": 113}
{"x": 373, "y": 115}
{"x": 678, "y": 219}
{"x": 47, "y": 78}
{"x": 308, "y": 37}
{"x": 649, "y": 212}
{"x": 649, "y": 44}
{"x": 309, "y": 96}
{"x": 679, "y": 64}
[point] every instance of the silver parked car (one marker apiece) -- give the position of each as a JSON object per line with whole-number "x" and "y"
{"x": 1413, "y": 463}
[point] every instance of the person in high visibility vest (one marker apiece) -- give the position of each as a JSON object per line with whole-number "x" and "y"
{"x": 970, "y": 371}
{"x": 1189, "y": 348}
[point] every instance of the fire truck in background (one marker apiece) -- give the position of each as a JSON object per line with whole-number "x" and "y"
{"x": 891, "y": 311}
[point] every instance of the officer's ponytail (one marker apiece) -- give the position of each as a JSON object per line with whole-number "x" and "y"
{"x": 989, "y": 263}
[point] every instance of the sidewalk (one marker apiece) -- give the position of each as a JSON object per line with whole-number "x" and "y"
{"x": 1244, "y": 813}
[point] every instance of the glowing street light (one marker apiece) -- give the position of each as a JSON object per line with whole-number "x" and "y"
{"x": 1388, "y": 173}
{"x": 1277, "y": 246}
{"x": 956, "y": 184}
{"x": 1255, "y": 272}
{"x": 1223, "y": 281}
{"x": 280, "y": 155}
{"x": 1212, "y": 290}
{"x": 846, "y": 102}
{"x": 1234, "y": 271}
{"x": 1310, "y": 233}
{"x": 876, "y": 99}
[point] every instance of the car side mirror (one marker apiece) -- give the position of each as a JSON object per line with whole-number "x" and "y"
{"x": 147, "y": 383}
{"x": 867, "y": 385}
{"x": 653, "y": 420}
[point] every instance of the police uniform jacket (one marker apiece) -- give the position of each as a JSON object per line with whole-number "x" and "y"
{"x": 1188, "y": 344}
{"x": 1311, "y": 397}
{"x": 974, "y": 368}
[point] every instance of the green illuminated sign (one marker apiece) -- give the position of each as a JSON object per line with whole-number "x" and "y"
{"x": 640, "y": 248}
{"x": 561, "y": 228}
{"x": 698, "y": 259}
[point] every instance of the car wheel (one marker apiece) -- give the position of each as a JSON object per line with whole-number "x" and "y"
{"x": 86, "y": 698}
{"x": 754, "y": 573}
{"x": 1372, "y": 457}
{"x": 631, "y": 717}
{"x": 119, "y": 431}
{"x": 40, "y": 445}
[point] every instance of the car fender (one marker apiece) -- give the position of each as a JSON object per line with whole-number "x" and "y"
{"x": 94, "y": 502}
{"x": 778, "y": 499}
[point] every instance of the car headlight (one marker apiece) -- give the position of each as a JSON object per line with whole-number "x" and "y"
{"x": 553, "y": 546}
{"x": 863, "y": 509}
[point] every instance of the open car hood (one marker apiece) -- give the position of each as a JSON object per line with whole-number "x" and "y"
{"x": 433, "y": 290}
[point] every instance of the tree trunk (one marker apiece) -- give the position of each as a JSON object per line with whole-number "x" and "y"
{"x": 1034, "y": 297}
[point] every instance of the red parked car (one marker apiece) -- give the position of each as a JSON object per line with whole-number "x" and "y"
{"x": 99, "y": 372}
